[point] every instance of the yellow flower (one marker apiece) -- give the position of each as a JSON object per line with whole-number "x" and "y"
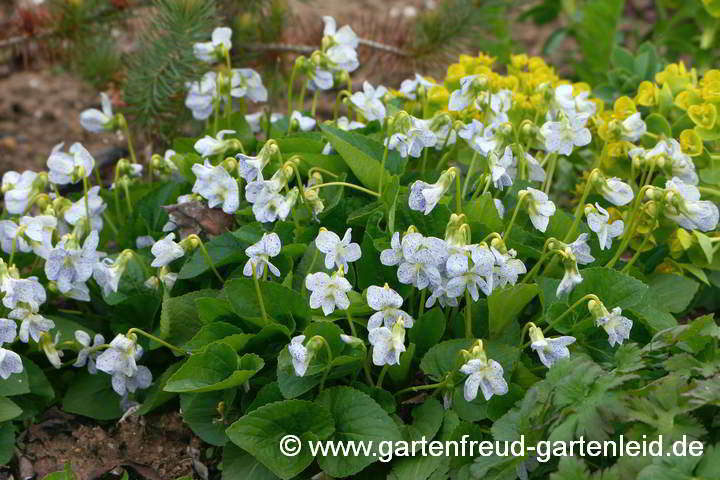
{"x": 519, "y": 61}
{"x": 691, "y": 143}
{"x": 686, "y": 98}
{"x": 646, "y": 94}
{"x": 704, "y": 115}
{"x": 623, "y": 108}
{"x": 711, "y": 90}
{"x": 676, "y": 76}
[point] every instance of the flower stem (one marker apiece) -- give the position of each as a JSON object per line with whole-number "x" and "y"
{"x": 458, "y": 194}
{"x": 210, "y": 262}
{"x": 579, "y": 208}
{"x": 329, "y": 365}
{"x": 421, "y": 307}
{"x": 321, "y": 170}
{"x": 584, "y": 298}
{"x": 131, "y": 149}
{"x": 470, "y": 171}
{"x": 637, "y": 253}
{"x": 257, "y": 292}
{"x": 345, "y": 184}
{"x": 631, "y": 227}
{"x": 419, "y": 388}
{"x": 536, "y": 267}
{"x": 506, "y": 234}
{"x": 382, "y": 167}
{"x": 127, "y": 197}
{"x": 468, "y": 315}
{"x": 290, "y": 88}
{"x": 314, "y": 103}
{"x": 381, "y": 377}
{"x": 158, "y": 340}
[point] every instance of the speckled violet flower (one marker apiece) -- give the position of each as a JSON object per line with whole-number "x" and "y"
{"x": 67, "y": 264}
{"x": 260, "y": 253}
{"x": 615, "y": 324}
{"x": 8, "y": 330}
{"x": 581, "y": 249}
{"x": 217, "y": 186}
{"x": 615, "y": 191}
{"x": 571, "y": 278}
{"x": 540, "y": 208}
{"x": 599, "y": 222}
{"x": 483, "y": 373}
{"x": 21, "y": 291}
{"x": 77, "y": 213}
{"x": 246, "y": 82}
{"x": 460, "y": 99}
{"x": 564, "y": 135}
{"x": 387, "y": 304}
{"x": 32, "y": 325}
{"x": 299, "y": 355}
{"x": 250, "y": 168}
{"x": 70, "y": 167}
{"x": 125, "y": 384}
{"x": 500, "y": 167}
{"x": 121, "y": 357}
{"x": 10, "y": 363}
{"x": 208, "y": 146}
{"x": 549, "y": 350}
{"x": 369, "y": 101}
{"x": 201, "y": 96}
{"x": 422, "y": 257}
{"x": 302, "y": 122}
{"x": 425, "y": 196}
{"x": 338, "y": 253}
{"x": 387, "y": 344}
{"x": 86, "y": 356}
{"x": 215, "y": 49}
{"x": 97, "y": 121}
{"x": 166, "y": 250}
{"x": 18, "y": 189}
{"x": 328, "y": 292}
{"x": 393, "y": 255}
{"x": 684, "y": 207}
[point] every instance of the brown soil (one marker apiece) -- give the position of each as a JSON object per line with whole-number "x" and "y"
{"x": 154, "y": 447}
{"x": 39, "y": 109}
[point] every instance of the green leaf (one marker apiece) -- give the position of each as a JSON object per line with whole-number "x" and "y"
{"x": 673, "y": 292}
{"x": 241, "y": 294}
{"x": 7, "y": 442}
{"x": 15, "y": 384}
{"x": 482, "y": 211}
{"x": 428, "y": 330}
{"x": 213, "y": 332}
{"x": 148, "y": 212}
{"x": 506, "y": 304}
{"x": 443, "y": 357}
{"x": 201, "y": 413}
{"x": 224, "y": 249}
{"x": 8, "y": 409}
{"x": 218, "y": 367}
{"x": 239, "y": 464}
{"x": 357, "y": 418}
{"x": 364, "y": 156}
{"x": 658, "y": 125}
{"x": 260, "y": 431}
{"x": 179, "y": 320}
{"x": 105, "y": 403}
